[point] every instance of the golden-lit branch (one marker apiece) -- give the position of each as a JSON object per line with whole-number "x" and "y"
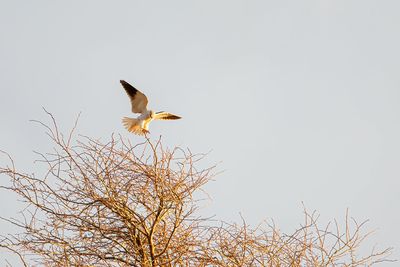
{"x": 118, "y": 204}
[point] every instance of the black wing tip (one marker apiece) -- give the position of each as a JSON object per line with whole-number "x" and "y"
{"x": 173, "y": 117}
{"x": 124, "y": 83}
{"x": 128, "y": 88}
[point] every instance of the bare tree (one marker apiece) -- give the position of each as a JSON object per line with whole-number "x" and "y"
{"x": 118, "y": 204}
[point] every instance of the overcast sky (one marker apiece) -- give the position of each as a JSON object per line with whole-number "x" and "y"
{"x": 298, "y": 100}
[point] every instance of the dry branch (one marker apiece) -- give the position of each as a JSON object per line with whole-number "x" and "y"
{"x": 118, "y": 204}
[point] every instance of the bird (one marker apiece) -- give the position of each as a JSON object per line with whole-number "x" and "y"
{"x": 140, "y": 125}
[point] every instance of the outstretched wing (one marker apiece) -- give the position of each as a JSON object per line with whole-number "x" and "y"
{"x": 165, "y": 116}
{"x": 138, "y": 99}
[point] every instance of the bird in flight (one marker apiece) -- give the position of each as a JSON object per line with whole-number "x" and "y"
{"x": 140, "y": 125}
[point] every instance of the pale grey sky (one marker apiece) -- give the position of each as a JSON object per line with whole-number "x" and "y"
{"x": 298, "y": 99}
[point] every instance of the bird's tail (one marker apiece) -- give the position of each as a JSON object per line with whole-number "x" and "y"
{"x": 132, "y": 125}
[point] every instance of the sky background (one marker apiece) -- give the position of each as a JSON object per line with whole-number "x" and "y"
{"x": 297, "y": 100}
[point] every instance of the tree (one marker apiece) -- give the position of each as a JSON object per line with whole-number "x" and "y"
{"x": 118, "y": 204}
